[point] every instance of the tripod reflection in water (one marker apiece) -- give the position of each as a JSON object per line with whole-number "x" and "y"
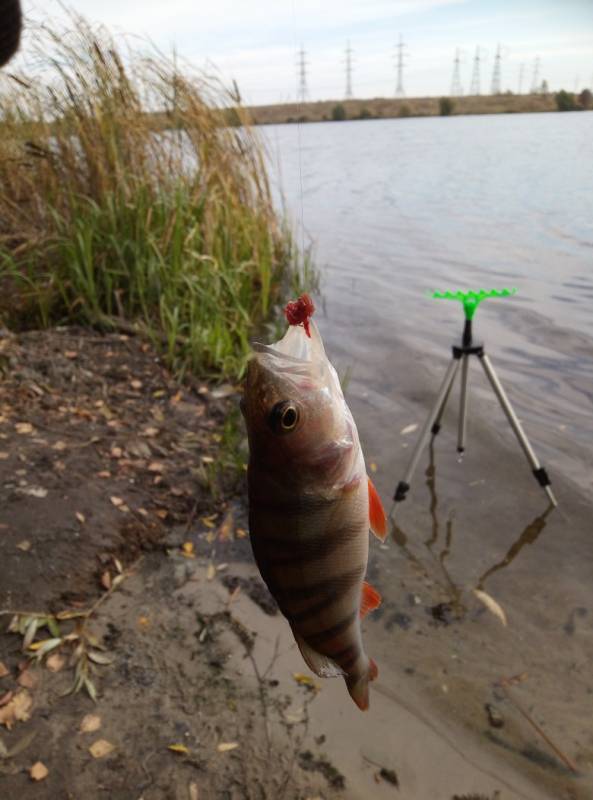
{"x": 455, "y": 593}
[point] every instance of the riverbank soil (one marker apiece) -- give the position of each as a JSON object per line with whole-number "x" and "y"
{"x": 115, "y": 495}
{"x": 122, "y": 514}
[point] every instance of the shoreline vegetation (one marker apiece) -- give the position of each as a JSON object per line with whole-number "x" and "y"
{"x": 108, "y": 220}
{"x": 389, "y": 108}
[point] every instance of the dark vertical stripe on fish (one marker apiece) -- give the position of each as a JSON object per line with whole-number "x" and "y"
{"x": 331, "y": 588}
{"x": 324, "y": 636}
{"x": 303, "y": 551}
{"x": 347, "y": 657}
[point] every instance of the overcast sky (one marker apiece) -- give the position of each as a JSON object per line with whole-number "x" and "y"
{"x": 256, "y": 41}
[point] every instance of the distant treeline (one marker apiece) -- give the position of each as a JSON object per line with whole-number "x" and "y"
{"x": 384, "y": 108}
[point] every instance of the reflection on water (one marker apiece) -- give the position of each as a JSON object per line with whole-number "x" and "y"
{"x": 454, "y": 592}
{"x": 528, "y": 536}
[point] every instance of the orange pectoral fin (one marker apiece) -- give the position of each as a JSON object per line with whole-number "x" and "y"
{"x": 377, "y": 516}
{"x": 370, "y": 600}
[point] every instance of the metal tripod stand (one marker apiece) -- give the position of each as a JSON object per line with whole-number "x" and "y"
{"x": 461, "y": 354}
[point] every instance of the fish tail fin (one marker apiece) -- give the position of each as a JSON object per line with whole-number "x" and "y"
{"x": 359, "y": 687}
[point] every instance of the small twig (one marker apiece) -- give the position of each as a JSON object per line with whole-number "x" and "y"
{"x": 568, "y": 762}
{"x": 67, "y": 614}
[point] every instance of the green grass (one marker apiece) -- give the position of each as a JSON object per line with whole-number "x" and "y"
{"x": 107, "y": 219}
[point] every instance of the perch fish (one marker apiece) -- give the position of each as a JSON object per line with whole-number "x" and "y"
{"x": 311, "y": 503}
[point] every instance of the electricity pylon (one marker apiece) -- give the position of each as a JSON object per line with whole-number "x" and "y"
{"x": 399, "y": 89}
{"x": 348, "y": 72}
{"x": 456, "y": 88}
{"x": 535, "y": 79}
{"x": 495, "y": 88}
{"x": 475, "y": 84}
{"x": 302, "y": 92}
{"x": 521, "y": 77}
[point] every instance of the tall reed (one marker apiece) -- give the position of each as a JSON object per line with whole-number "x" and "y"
{"x": 126, "y": 199}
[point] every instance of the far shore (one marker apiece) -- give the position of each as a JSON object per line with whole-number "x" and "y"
{"x": 385, "y": 108}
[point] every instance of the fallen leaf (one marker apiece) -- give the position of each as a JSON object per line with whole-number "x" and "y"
{"x": 207, "y": 460}
{"x": 162, "y": 513}
{"x": 226, "y": 528}
{"x": 34, "y": 491}
{"x": 101, "y": 748}
{"x": 4, "y": 455}
{"x": 150, "y": 432}
{"x": 38, "y": 771}
{"x": 226, "y": 390}
{"x": 210, "y": 572}
{"x": 193, "y": 791}
{"x": 188, "y": 550}
{"x": 224, "y": 747}
{"x": 55, "y": 662}
{"x": 221, "y": 567}
{"x": 409, "y": 429}
{"x": 106, "y": 580}
{"x": 209, "y": 521}
{"x": 143, "y": 622}
{"x": 3, "y": 670}
{"x": 90, "y": 723}
{"x": 59, "y": 445}
{"x": 71, "y": 354}
{"x": 491, "y": 605}
{"x": 116, "y": 452}
{"x": 25, "y": 545}
{"x": 28, "y": 679}
{"x": 156, "y": 466}
{"x": 99, "y": 658}
{"x": 117, "y": 501}
{"x": 178, "y": 748}
{"x": 6, "y": 698}
{"x": 23, "y": 428}
{"x": 241, "y": 533}
{"x": 17, "y": 709}
{"x": 104, "y": 474}
{"x": 306, "y": 680}
{"x": 136, "y": 384}
{"x": 80, "y": 517}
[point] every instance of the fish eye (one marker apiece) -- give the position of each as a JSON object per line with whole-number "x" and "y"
{"x": 284, "y": 417}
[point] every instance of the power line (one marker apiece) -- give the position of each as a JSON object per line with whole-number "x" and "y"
{"x": 348, "y": 71}
{"x": 303, "y": 91}
{"x": 400, "y": 47}
{"x": 456, "y": 88}
{"x": 495, "y": 88}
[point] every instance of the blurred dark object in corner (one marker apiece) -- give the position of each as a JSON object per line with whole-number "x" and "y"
{"x": 11, "y": 23}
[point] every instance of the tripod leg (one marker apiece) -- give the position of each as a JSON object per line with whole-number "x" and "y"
{"x": 540, "y": 473}
{"x": 404, "y": 485}
{"x": 436, "y": 425}
{"x": 463, "y": 405}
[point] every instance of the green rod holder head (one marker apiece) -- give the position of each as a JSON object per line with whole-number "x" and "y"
{"x": 472, "y": 298}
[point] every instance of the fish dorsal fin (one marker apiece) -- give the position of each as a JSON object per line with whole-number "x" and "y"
{"x": 370, "y": 600}
{"x": 319, "y": 664}
{"x": 377, "y": 516}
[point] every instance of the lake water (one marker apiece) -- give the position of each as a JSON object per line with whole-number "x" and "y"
{"x": 399, "y": 208}
{"x": 396, "y": 209}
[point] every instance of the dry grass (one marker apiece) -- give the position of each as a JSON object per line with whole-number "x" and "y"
{"x": 103, "y": 220}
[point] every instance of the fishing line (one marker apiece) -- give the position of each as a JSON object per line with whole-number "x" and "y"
{"x": 299, "y": 141}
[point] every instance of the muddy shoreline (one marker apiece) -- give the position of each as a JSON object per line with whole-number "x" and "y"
{"x": 199, "y": 658}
